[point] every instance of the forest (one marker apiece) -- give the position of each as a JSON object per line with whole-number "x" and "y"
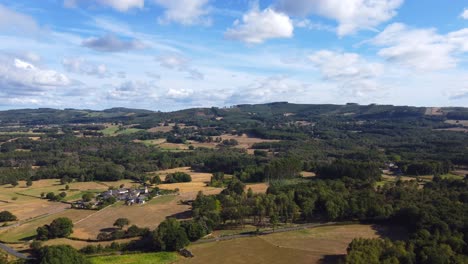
{"x": 346, "y": 147}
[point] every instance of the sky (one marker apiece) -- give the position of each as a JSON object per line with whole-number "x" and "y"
{"x": 175, "y": 54}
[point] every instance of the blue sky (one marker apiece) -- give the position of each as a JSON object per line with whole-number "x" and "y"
{"x": 174, "y": 54}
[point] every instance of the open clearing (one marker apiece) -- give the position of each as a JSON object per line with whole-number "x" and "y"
{"x": 303, "y": 246}
{"x": 27, "y": 230}
{"x": 153, "y": 212}
{"x": 457, "y": 122}
{"x": 26, "y": 203}
{"x": 245, "y": 142}
{"x": 257, "y": 187}
{"x": 145, "y": 258}
{"x": 188, "y": 190}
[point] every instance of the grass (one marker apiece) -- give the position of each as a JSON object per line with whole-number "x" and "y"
{"x": 302, "y": 246}
{"x": 162, "y": 199}
{"x": 114, "y": 130}
{"x": 143, "y": 258}
{"x": 28, "y": 230}
{"x": 452, "y": 176}
{"x": 110, "y": 130}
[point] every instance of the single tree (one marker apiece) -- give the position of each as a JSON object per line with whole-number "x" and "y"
{"x": 60, "y": 227}
{"x": 121, "y": 222}
{"x": 87, "y": 197}
{"x": 6, "y": 216}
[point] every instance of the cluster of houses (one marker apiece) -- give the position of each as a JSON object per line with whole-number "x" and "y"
{"x": 130, "y": 196}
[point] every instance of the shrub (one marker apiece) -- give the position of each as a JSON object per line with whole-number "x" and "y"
{"x": 6, "y": 216}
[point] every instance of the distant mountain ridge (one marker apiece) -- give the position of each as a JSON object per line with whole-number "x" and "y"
{"x": 244, "y": 111}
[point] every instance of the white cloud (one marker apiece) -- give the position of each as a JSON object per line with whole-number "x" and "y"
{"x": 185, "y": 12}
{"x": 179, "y": 94}
{"x": 421, "y": 49}
{"x": 81, "y": 66}
{"x": 22, "y": 78}
{"x": 14, "y": 22}
{"x": 349, "y": 70}
{"x": 464, "y": 15}
{"x": 351, "y": 15}
{"x": 308, "y": 24}
{"x": 111, "y": 43}
{"x": 119, "y": 5}
{"x": 257, "y": 26}
{"x": 176, "y": 62}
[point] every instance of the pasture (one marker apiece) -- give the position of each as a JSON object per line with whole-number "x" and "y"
{"x": 27, "y": 230}
{"x": 144, "y": 258}
{"x": 316, "y": 245}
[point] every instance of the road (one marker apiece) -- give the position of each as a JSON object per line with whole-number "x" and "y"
{"x": 252, "y": 234}
{"x": 13, "y": 252}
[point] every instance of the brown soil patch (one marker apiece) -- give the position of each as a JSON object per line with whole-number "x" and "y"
{"x": 257, "y": 187}
{"x": 434, "y": 111}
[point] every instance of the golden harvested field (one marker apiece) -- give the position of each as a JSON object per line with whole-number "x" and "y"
{"x": 153, "y": 212}
{"x": 307, "y": 174}
{"x": 28, "y": 229}
{"x": 26, "y": 207}
{"x": 303, "y": 246}
{"x": 146, "y": 215}
{"x": 189, "y": 190}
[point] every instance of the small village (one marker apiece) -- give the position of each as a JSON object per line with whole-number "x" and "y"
{"x": 130, "y": 196}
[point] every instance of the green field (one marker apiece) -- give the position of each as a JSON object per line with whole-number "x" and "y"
{"x": 114, "y": 130}
{"x": 146, "y": 258}
{"x": 162, "y": 199}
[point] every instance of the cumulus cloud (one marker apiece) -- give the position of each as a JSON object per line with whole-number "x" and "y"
{"x": 464, "y": 15}
{"x": 257, "y": 26}
{"x": 179, "y": 63}
{"x": 185, "y": 12}
{"x": 22, "y": 78}
{"x": 111, "y": 43}
{"x": 81, "y": 66}
{"x": 422, "y": 49}
{"x": 351, "y": 15}
{"x": 349, "y": 70}
{"x": 14, "y": 22}
{"x": 119, "y": 5}
{"x": 133, "y": 91}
